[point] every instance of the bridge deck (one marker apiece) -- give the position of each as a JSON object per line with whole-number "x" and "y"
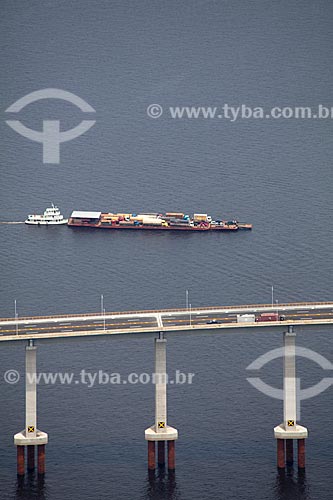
{"x": 207, "y": 319}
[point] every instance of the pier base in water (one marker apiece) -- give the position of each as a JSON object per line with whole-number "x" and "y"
{"x": 171, "y": 455}
{"x": 301, "y": 453}
{"x": 290, "y": 451}
{"x": 151, "y": 455}
{"x": 31, "y": 457}
{"x": 281, "y": 453}
{"x": 161, "y": 453}
{"x": 41, "y": 459}
{"x": 20, "y": 461}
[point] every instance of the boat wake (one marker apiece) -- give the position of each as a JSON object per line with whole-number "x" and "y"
{"x": 5, "y": 222}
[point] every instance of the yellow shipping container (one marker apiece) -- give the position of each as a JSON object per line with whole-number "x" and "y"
{"x": 176, "y": 215}
{"x": 200, "y": 217}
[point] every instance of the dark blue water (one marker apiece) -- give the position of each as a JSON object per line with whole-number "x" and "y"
{"x": 121, "y": 56}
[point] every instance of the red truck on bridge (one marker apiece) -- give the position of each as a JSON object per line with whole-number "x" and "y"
{"x": 270, "y": 316}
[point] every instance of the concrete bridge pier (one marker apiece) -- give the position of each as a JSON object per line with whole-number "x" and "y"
{"x": 30, "y": 436}
{"x": 161, "y": 452}
{"x": 289, "y": 451}
{"x": 161, "y": 432}
{"x": 289, "y": 430}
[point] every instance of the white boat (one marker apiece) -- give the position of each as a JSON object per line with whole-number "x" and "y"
{"x": 51, "y": 216}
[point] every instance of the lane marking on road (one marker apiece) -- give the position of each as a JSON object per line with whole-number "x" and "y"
{"x": 159, "y": 321}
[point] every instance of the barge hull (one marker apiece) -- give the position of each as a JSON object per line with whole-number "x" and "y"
{"x": 153, "y": 228}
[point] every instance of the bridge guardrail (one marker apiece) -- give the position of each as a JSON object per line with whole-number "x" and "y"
{"x": 174, "y": 310}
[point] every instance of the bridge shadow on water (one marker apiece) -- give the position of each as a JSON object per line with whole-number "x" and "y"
{"x": 161, "y": 484}
{"x": 31, "y": 486}
{"x": 291, "y": 484}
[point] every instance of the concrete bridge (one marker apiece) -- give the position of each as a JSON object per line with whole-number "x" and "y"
{"x": 205, "y": 319}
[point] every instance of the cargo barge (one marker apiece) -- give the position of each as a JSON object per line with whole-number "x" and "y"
{"x": 170, "y": 221}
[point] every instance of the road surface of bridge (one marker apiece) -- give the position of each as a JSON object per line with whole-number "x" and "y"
{"x": 169, "y": 320}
